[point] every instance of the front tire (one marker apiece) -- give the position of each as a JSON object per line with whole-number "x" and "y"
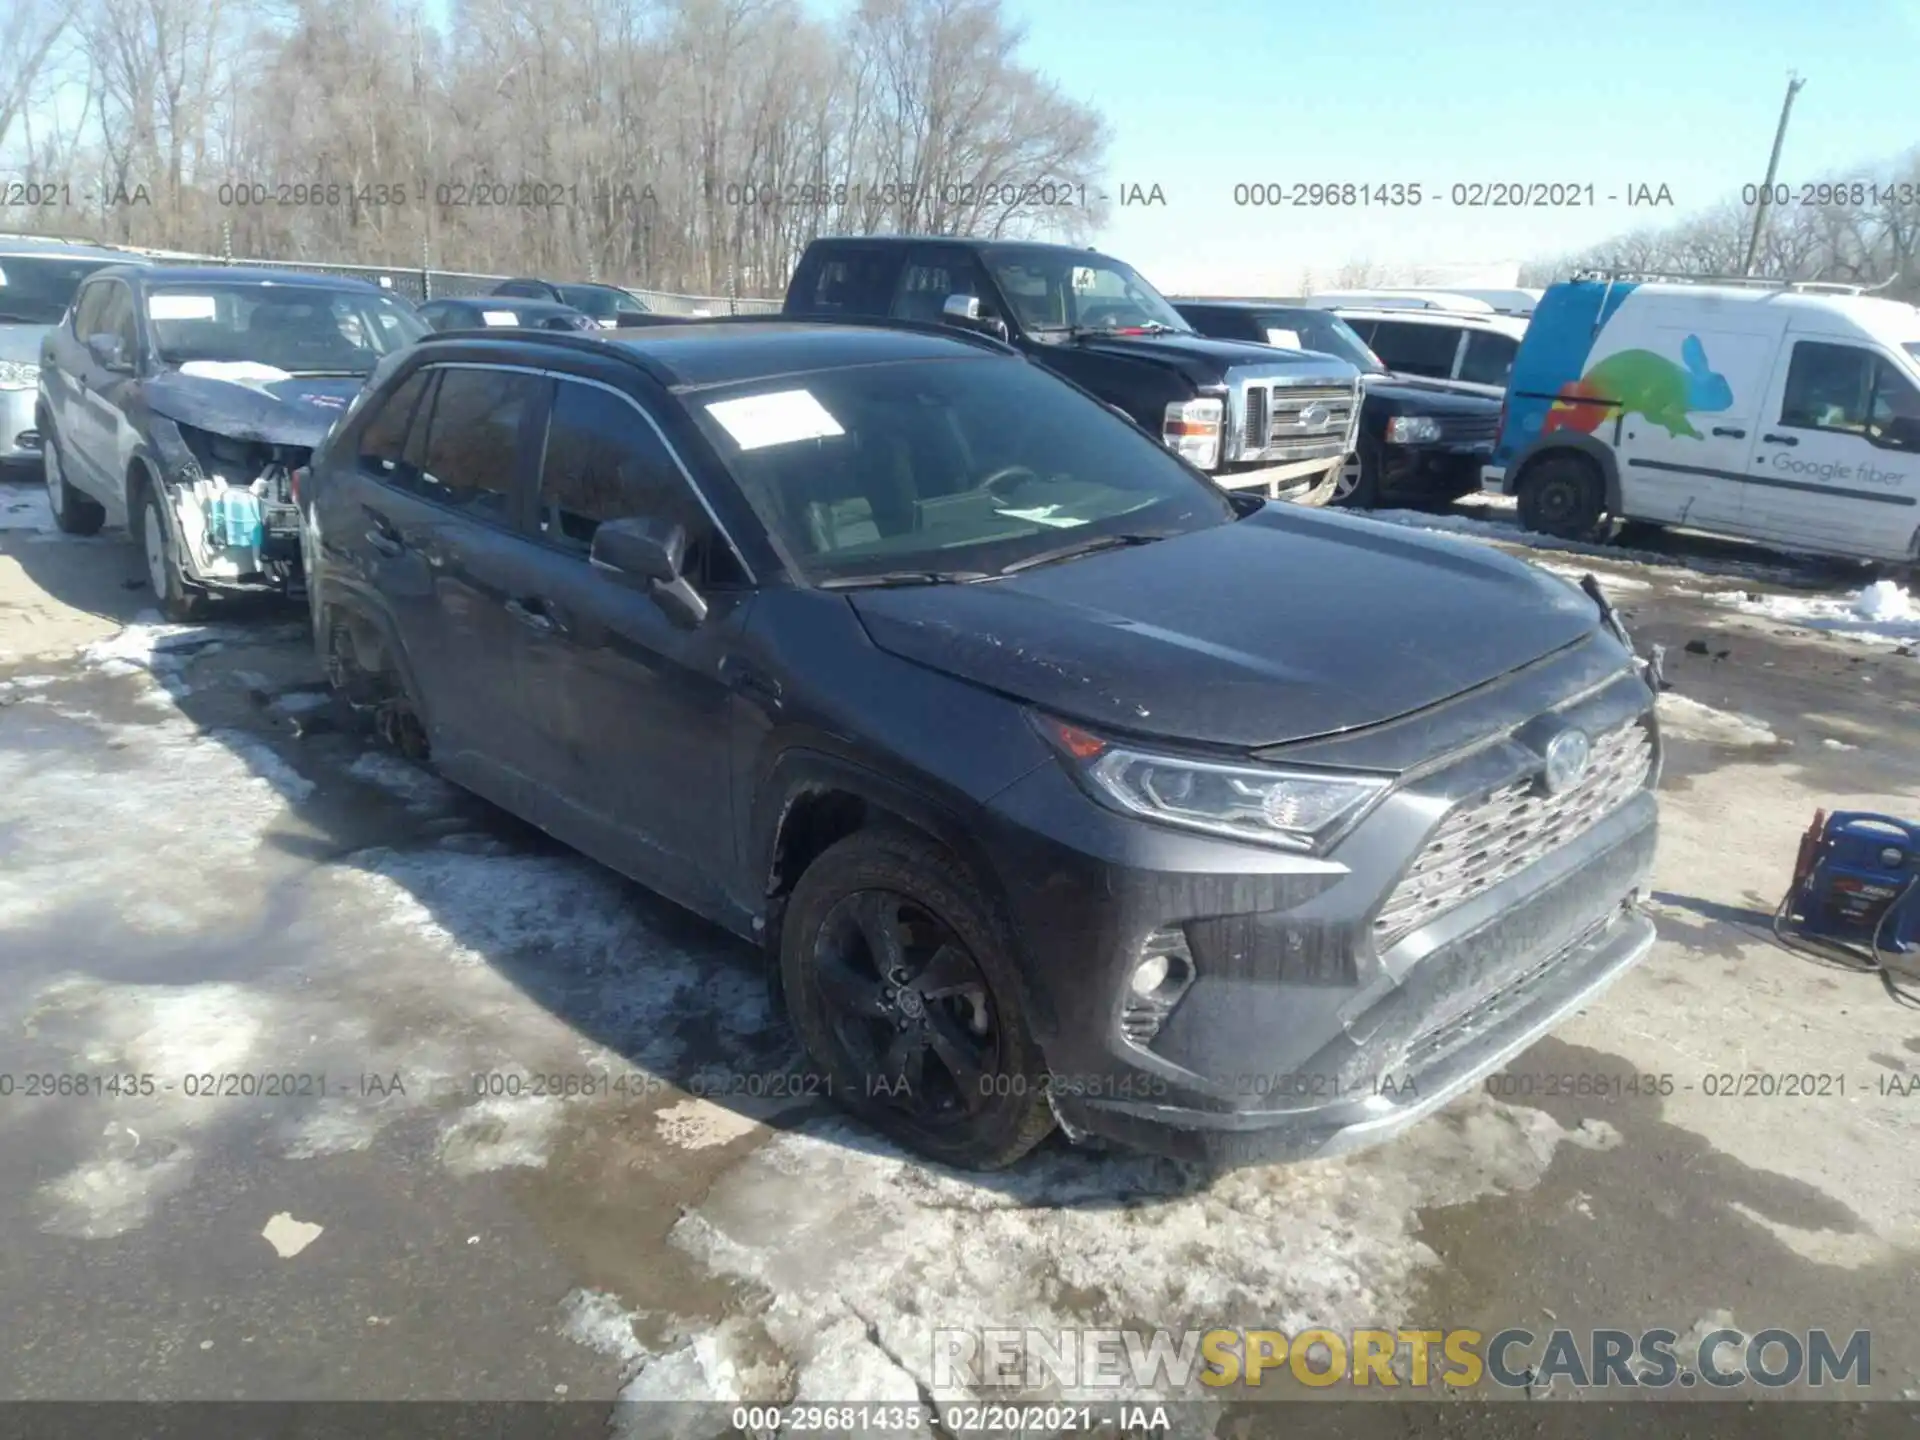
{"x": 900, "y": 979}
{"x": 1358, "y": 487}
{"x": 178, "y": 600}
{"x": 73, "y": 512}
{"x": 1562, "y": 496}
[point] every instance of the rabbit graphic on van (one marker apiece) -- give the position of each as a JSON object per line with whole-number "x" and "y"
{"x": 1639, "y": 382}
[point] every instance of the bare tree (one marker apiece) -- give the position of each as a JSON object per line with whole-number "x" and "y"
{"x": 29, "y": 34}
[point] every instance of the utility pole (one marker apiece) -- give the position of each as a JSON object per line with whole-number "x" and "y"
{"x": 1794, "y": 82}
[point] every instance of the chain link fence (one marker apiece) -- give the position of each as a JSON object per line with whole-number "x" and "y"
{"x": 421, "y": 284}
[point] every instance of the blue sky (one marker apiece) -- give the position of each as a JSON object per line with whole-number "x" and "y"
{"x": 1205, "y": 94}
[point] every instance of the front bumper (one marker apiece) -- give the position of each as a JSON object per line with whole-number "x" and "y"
{"x": 19, "y": 439}
{"x": 1299, "y": 1036}
{"x": 1306, "y": 482}
{"x": 1432, "y": 469}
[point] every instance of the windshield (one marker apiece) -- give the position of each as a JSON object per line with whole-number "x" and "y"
{"x": 599, "y": 302}
{"x": 1317, "y": 330}
{"x": 944, "y": 466}
{"x": 1059, "y": 290}
{"x": 1913, "y": 349}
{"x": 302, "y": 329}
{"x": 36, "y": 289}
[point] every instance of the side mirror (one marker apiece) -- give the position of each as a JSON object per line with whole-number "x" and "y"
{"x": 965, "y": 310}
{"x": 109, "y": 352}
{"x": 649, "y": 553}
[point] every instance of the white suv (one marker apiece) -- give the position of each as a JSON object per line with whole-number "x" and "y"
{"x": 1472, "y": 350}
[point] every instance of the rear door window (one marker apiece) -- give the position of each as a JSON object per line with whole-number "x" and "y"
{"x": 1489, "y": 357}
{"x": 846, "y": 281}
{"x": 1417, "y": 349}
{"x": 463, "y": 449}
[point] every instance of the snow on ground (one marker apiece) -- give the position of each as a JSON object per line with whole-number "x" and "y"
{"x": 1883, "y": 613}
{"x": 1689, "y": 719}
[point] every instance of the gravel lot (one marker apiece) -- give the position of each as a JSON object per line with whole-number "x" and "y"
{"x": 201, "y": 878}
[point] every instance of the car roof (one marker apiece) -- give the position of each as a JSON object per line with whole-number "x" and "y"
{"x": 559, "y": 285}
{"x": 251, "y": 275}
{"x": 965, "y": 242}
{"x": 29, "y": 246}
{"x": 1512, "y": 325}
{"x": 1249, "y": 305}
{"x": 530, "y": 303}
{"x": 700, "y": 354}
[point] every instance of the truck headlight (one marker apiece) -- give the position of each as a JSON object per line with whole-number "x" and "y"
{"x": 18, "y": 375}
{"x": 1291, "y": 809}
{"x": 1412, "y": 430}
{"x": 1191, "y": 430}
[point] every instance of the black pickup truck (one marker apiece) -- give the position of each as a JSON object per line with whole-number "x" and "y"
{"x": 1251, "y": 416}
{"x": 1420, "y": 442}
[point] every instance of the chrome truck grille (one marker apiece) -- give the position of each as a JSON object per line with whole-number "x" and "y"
{"x": 1484, "y": 841}
{"x": 1280, "y": 422}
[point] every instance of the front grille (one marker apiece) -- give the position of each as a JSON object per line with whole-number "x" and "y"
{"x": 1255, "y": 433}
{"x": 1481, "y": 843}
{"x": 1469, "y": 429}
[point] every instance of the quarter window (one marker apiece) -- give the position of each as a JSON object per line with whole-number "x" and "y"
{"x": 383, "y": 444}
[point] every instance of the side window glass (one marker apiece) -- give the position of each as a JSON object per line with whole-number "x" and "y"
{"x": 1829, "y": 387}
{"x": 1489, "y": 358}
{"x": 383, "y": 443}
{"x": 86, "y": 309}
{"x": 1894, "y": 417}
{"x": 604, "y": 462}
{"x": 472, "y": 439}
{"x": 928, "y": 278}
{"x": 1417, "y": 349}
{"x": 115, "y": 316}
{"x": 849, "y": 282}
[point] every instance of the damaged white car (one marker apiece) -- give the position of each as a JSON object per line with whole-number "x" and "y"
{"x": 179, "y": 402}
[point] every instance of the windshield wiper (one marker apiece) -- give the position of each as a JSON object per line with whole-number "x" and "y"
{"x": 1082, "y": 547}
{"x": 888, "y": 578}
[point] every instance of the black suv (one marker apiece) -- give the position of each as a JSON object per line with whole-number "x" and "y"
{"x": 1250, "y": 416}
{"x": 1043, "y": 769}
{"x": 609, "y": 305}
{"x": 1420, "y": 440}
{"x": 511, "y": 311}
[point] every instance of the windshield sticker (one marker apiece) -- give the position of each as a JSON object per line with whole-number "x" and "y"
{"x": 182, "y": 307}
{"x": 1285, "y": 339}
{"x": 1044, "y": 515}
{"x": 499, "y": 317}
{"x": 778, "y": 419}
{"x": 1084, "y": 278}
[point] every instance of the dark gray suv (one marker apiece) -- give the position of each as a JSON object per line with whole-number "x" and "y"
{"x": 1059, "y": 785}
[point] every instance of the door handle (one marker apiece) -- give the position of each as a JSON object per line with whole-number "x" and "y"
{"x": 537, "y": 615}
{"x": 1779, "y": 440}
{"x": 380, "y": 533}
{"x": 1729, "y": 432}
{"x": 750, "y": 680}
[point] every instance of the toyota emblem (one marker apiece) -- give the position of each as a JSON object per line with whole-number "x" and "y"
{"x": 1567, "y": 756}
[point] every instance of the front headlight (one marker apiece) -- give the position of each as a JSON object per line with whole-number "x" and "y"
{"x": 1292, "y": 809}
{"x": 1412, "y": 430}
{"x": 1191, "y": 429}
{"x": 18, "y": 375}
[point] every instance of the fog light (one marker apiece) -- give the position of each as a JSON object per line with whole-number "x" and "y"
{"x": 1150, "y": 974}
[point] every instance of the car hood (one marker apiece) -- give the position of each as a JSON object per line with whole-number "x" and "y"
{"x": 21, "y": 340}
{"x": 1430, "y": 397}
{"x": 1288, "y": 625}
{"x": 252, "y": 402}
{"x": 1215, "y": 355}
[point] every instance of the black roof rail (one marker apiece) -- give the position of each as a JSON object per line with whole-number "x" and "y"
{"x": 858, "y": 322}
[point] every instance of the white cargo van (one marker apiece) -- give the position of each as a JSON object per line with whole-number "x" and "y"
{"x": 1789, "y": 414}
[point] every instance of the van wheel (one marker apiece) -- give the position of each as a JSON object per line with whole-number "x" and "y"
{"x": 1358, "y": 487}
{"x": 73, "y": 512}
{"x": 1562, "y": 496}
{"x": 178, "y": 600}
{"x": 899, "y": 977}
